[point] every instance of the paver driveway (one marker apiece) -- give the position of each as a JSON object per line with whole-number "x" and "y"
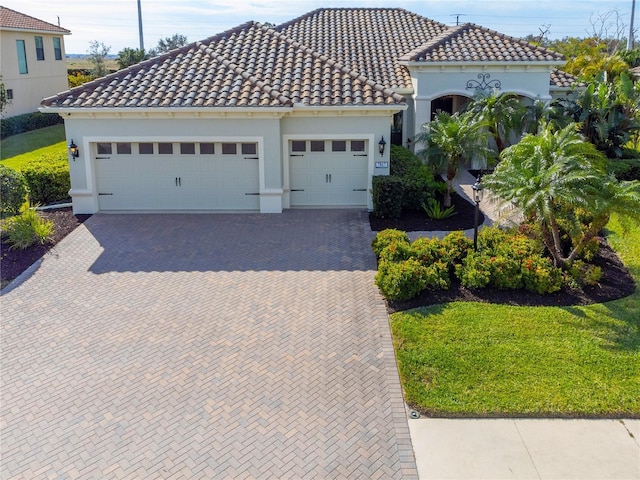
{"x": 203, "y": 346}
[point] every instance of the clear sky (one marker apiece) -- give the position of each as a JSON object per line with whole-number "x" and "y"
{"x": 115, "y": 22}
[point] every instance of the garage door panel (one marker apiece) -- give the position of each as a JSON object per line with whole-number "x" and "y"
{"x": 177, "y": 182}
{"x": 328, "y": 178}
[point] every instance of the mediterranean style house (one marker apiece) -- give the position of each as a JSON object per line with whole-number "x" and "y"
{"x": 32, "y": 60}
{"x": 298, "y": 115}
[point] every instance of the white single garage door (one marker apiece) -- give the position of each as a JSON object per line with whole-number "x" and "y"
{"x": 177, "y": 176}
{"x": 328, "y": 172}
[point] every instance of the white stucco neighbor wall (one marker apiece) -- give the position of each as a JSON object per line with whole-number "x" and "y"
{"x": 434, "y": 81}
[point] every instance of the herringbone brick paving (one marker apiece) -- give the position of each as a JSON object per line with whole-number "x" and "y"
{"x": 203, "y": 346}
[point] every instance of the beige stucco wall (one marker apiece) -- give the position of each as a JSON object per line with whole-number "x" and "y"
{"x": 431, "y": 82}
{"x": 44, "y": 78}
{"x": 85, "y": 131}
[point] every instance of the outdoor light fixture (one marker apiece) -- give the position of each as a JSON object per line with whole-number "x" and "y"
{"x": 381, "y": 145}
{"x": 73, "y": 150}
{"x": 478, "y": 192}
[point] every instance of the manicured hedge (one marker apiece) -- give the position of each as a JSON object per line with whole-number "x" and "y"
{"x": 47, "y": 183}
{"x": 27, "y": 122}
{"x": 13, "y": 191}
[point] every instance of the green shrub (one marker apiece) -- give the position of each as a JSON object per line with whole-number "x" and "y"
{"x": 47, "y": 183}
{"x": 26, "y": 229}
{"x": 437, "y": 276}
{"x": 395, "y": 252}
{"x": 402, "y": 160}
{"x": 505, "y": 272}
{"x": 539, "y": 275}
{"x": 401, "y": 280}
{"x": 474, "y": 271}
{"x": 585, "y": 273}
{"x": 386, "y": 238}
{"x": 428, "y": 251}
{"x": 27, "y": 122}
{"x": 457, "y": 245}
{"x": 419, "y": 187}
{"x": 387, "y": 196}
{"x": 627, "y": 169}
{"x": 13, "y": 191}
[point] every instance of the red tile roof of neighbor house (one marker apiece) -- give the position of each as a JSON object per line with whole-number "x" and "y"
{"x": 10, "y": 19}
{"x": 328, "y": 57}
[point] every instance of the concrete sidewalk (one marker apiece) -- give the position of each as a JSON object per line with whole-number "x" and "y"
{"x": 465, "y": 449}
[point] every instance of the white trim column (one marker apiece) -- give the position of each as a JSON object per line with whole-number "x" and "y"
{"x": 422, "y": 113}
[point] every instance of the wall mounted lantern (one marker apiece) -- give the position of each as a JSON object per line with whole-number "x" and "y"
{"x": 381, "y": 145}
{"x": 73, "y": 150}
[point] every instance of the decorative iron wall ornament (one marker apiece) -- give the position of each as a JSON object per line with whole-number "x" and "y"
{"x": 484, "y": 85}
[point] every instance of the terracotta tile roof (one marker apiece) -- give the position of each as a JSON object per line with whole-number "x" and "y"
{"x": 472, "y": 43}
{"x": 561, "y": 79}
{"x": 249, "y": 66}
{"x": 367, "y": 40}
{"x": 10, "y": 19}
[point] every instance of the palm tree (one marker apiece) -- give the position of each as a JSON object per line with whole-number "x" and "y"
{"x": 503, "y": 114}
{"x": 450, "y": 140}
{"x": 552, "y": 175}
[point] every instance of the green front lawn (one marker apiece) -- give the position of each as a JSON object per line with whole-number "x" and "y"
{"x": 471, "y": 359}
{"x": 30, "y": 141}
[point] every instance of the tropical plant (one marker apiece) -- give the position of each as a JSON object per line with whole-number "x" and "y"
{"x": 449, "y": 140}
{"x": 607, "y": 113}
{"x": 552, "y": 175}
{"x": 503, "y": 114}
{"x": 435, "y": 211}
{"x": 26, "y": 229}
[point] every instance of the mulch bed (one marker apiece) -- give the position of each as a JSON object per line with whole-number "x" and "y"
{"x": 14, "y": 262}
{"x": 616, "y": 281}
{"x": 415, "y": 221}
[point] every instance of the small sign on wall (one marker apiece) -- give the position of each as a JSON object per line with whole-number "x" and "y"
{"x": 382, "y": 164}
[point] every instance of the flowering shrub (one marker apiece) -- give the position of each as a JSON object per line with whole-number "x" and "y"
{"x": 474, "y": 271}
{"x": 396, "y": 252}
{"x": 401, "y": 280}
{"x": 585, "y": 273}
{"x": 457, "y": 245}
{"x": 386, "y": 237}
{"x": 540, "y": 275}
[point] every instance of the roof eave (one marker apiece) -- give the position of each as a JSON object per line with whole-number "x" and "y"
{"x": 35, "y": 30}
{"x": 481, "y": 63}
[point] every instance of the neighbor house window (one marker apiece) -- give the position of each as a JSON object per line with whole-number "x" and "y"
{"x": 229, "y": 148}
{"x": 22, "y": 56}
{"x": 123, "y": 148}
{"x": 57, "y": 48}
{"x": 187, "y": 148}
{"x": 9, "y": 93}
{"x": 104, "y": 148}
{"x": 249, "y": 148}
{"x": 165, "y": 148}
{"x": 39, "y": 48}
{"x": 145, "y": 148}
{"x": 206, "y": 149}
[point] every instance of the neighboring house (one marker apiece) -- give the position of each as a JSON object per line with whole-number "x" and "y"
{"x": 32, "y": 61}
{"x": 300, "y": 115}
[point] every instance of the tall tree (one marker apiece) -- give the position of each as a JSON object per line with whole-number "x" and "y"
{"x": 554, "y": 175}
{"x": 168, "y": 43}
{"x": 130, "y": 56}
{"x": 450, "y": 140}
{"x": 98, "y": 52}
{"x": 4, "y": 99}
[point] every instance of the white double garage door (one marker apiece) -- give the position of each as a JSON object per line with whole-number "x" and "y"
{"x": 225, "y": 176}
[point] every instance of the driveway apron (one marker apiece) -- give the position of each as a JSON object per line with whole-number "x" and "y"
{"x": 203, "y": 346}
